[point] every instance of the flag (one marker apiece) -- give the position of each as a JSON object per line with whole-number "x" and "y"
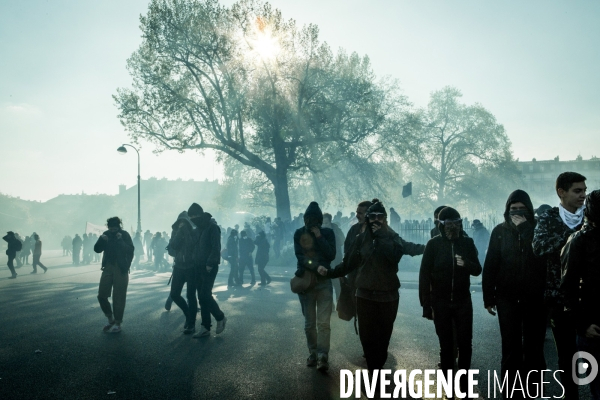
{"x": 97, "y": 229}
{"x": 407, "y": 190}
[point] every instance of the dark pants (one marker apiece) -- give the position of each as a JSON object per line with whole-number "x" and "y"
{"x": 523, "y": 331}
{"x": 204, "y": 283}
{"x": 180, "y": 277}
{"x": 76, "y": 255}
{"x": 565, "y": 338}
{"x": 36, "y": 262}
{"x": 234, "y": 277}
{"x": 461, "y": 314}
{"x": 375, "y": 325}
{"x": 246, "y": 262}
{"x": 264, "y": 277}
{"x": 10, "y": 264}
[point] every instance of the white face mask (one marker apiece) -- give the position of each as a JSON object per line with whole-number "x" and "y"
{"x": 571, "y": 219}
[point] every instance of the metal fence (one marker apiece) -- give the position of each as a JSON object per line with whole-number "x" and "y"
{"x": 420, "y": 231}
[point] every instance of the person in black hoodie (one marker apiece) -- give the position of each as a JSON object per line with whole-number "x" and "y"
{"x": 207, "y": 259}
{"x": 262, "y": 257}
{"x": 580, "y": 260}
{"x": 246, "y": 248}
{"x": 233, "y": 258}
{"x": 449, "y": 260}
{"x": 376, "y": 253}
{"x": 116, "y": 260}
{"x": 182, "y": 245}
{"x": 14, "y": 245}
{"x": 315, "y": 246}
{"x": 513, "y": 283}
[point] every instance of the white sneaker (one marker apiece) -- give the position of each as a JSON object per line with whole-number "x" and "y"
{"x": 203, "y": 332}
{"x": 114, "y": 329}
{"x": 221, "y": 325}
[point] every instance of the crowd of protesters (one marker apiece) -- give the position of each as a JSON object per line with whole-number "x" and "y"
{"x": 537, "y": 265}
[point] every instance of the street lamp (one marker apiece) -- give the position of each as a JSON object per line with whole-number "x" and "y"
{"x": 123, "y": 150}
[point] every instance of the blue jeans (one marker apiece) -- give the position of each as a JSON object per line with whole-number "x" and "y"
{"x": 593, "y": 347}
{"x": 317, "y": 304}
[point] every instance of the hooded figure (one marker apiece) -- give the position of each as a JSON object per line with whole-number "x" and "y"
{"x": 513, "y": 283}
{"x": 233, "y": 258}
{"x": 315, "y": 246}
{"x": 262, "y": 257}
{"x": 481, "y": 237}
{"x": 449, "y": 261}
{"x": 580, "y": 283}
{"x": 14, "y": 245}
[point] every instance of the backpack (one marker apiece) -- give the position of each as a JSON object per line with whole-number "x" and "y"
{"x": 18, "y": 245}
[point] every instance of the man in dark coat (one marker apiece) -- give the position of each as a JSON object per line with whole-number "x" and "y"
{"x": 394, "y": 220}
{"x": 513, "y": 283}
{"x": 481, "y": 237}
{"x": 14, "y": 245}
{"x": 550, "y": 235}
{"x": 233, "y": 258}
{"x": 117, "y": 246}
{"x": 148, "y": 245}
{"x": 207, "y": 259}
{"x": 580, "y": 283}
{"x": 449, "y": 260}
{"x": 246, "y": 247}
{"x": 262, "y": 257}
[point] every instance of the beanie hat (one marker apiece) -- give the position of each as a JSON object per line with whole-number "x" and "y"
{"x": 376, "y": 207}
{"x": 314, "y": 211}
{"x": 448, "y": 213}
{"x": 195, "y": 209}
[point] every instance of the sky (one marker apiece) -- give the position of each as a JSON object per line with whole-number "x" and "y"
{"x": 534, "y": 64}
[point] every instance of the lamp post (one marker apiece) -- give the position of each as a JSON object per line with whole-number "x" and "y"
{"x": 123, "y": 150}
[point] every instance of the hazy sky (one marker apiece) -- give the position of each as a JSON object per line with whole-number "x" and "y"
{"x": 534, "y": 64}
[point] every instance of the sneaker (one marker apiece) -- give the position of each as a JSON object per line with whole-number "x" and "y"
{"x": 13, "y": 277}
{"x": 322, "y": 363}
{"x": 189, "y": 329}
{"x": 108, "y": 326}
{"x": 33, "y": 272}
{"x": 221, "y": 325}
{"x": 168, "y": 303}
{"x": 311, "y": 361}
{"x": 202, "y": 333}
{"x": 114, "y": 329}
{"x": 45, "y": 269}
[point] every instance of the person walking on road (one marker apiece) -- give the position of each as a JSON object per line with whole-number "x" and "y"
{"x": 232, "y": 258}
{"x": 246, "y": 247}
{"x": 139, "y": 250}
{"x": 117, "y": 246}
{"x": 77, "y": 243}
{"x": 37, "y": 253}
{"x": 262, "y": 257}
{"x": 14, "y": 245}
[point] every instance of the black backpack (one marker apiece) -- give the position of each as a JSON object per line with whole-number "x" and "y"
{"x": 18, "y": 245}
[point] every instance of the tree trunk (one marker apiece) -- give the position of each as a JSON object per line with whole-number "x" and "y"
{"x": 282, "y": 195}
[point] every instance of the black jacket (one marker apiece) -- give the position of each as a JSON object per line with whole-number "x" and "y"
{"x": 246, "y": 247}
{"x": 440, "y": 279}
{"x": 312, "y": 252}
{"x": 116, "y": 251}
{"x": 262, "y": 250}
{"x": 377, "y": 256}
{"x": 13, "y": 245}
{"x": 580, "y": 259}
{"x": 183, "y": 243}
{"x": 209, "y": 247}
{"x": 232, "y": 247}
{"x": 511, "y": 270}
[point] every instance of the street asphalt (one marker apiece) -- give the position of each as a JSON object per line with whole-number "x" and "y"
{"x": 52, "y": 345}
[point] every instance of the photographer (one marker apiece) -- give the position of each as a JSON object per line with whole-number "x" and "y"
{"x": 117, "y": 246}
{"x": 376, "y": 253}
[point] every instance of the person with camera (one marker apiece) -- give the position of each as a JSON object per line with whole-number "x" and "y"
{"x": 449, "y": 260}
{"x": 315, "y": 247}
{"x": 14, "y": 245}
{"x": 376, "y": 253}
{"x": 117, "y": 246}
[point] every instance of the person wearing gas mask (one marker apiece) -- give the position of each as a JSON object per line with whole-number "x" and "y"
{"x": 376, "y": 253}
{"x": 315, "y": 246}
{"x": 513, "y": 284}
{"x": 549, "y": 237}
{"x": 580, "y": 260}
{"x": 435, "y": 231}
{"x": 117, "y": 246}
{"x": 449, "y": 261}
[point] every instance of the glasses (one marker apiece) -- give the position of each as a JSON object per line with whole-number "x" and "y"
{"x": 451, "y": 222}
{"x": 378, "y": 216}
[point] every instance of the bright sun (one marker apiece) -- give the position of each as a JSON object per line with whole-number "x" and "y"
{"x": 266, "y": 45}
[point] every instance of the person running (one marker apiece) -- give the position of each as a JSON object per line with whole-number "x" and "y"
{"x": 117, "y": 246}
{"x": 37, "y": 253}
{"x": 14, "y": 245}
